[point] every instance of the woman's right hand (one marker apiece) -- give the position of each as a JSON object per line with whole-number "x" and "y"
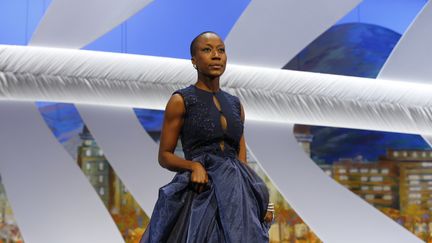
{"x": 199, "y": 177}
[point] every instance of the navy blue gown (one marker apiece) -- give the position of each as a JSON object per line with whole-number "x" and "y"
{"x": 232, "y": 207}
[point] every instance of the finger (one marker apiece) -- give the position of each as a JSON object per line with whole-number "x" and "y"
{"x": 200, "y": 181}
{"x": 197, "y": 180}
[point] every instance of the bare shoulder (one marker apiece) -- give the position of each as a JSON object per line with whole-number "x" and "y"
{"x": 176, "y": 99}
{"x": 175, "y": 106}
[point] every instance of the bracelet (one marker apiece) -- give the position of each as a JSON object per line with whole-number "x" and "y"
{"x": 270, "y": 207}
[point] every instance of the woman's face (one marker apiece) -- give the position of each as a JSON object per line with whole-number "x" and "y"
{"x": 210, "y": 58}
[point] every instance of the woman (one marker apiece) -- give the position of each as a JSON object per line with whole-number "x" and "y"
{"x": 215, "y": 196}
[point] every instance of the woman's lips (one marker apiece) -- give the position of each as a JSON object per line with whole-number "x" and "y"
{"x": 216, "y": 66}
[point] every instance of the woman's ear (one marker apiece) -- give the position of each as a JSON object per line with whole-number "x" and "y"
{"x": 194, "y": 63}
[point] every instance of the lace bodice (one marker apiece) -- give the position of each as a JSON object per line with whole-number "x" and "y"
{"x": 202, "y": 130}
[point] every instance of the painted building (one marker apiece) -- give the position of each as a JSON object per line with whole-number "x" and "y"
{"x": 374, "y": 182}
{"x": 415, "y": 180}
{"x": 95, "y": 166}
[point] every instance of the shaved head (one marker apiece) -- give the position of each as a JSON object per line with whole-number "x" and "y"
{"x": 194, "y": 41}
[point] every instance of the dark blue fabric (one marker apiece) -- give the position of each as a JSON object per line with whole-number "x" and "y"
{"x": 202, "y": 127}
{"x": 233, "y": 205}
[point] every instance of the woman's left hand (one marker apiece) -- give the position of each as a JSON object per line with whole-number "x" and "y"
{"x": 268, "y": 217}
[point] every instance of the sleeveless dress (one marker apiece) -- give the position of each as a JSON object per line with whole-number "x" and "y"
{"x": 232, "y": 207}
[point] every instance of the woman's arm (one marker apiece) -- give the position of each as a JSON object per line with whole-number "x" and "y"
{"x": 172, "y": 125}
{"x": 242, "y": 150}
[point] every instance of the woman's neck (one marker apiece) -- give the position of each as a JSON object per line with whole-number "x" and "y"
{"x": 207, "y": 83}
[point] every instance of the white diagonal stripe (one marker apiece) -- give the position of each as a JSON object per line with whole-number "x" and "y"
{"x": 51, "y": 198}
{"x": 410, "y": 59}
{"x": 271, "y": 32}
{"x": 74, "y": 24}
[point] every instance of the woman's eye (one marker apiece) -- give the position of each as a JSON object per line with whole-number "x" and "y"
{"x": 206, "y": 49}
{"x": 222, "y": 50}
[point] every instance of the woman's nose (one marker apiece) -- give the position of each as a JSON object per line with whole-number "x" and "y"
{"x": 215, "y": 54}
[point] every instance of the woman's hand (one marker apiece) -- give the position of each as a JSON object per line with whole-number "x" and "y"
{"x": 268, "y": 217}
{"x": 199, "y": 177}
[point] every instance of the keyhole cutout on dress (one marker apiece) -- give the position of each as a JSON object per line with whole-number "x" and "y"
{"x": 222, "y": 118}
